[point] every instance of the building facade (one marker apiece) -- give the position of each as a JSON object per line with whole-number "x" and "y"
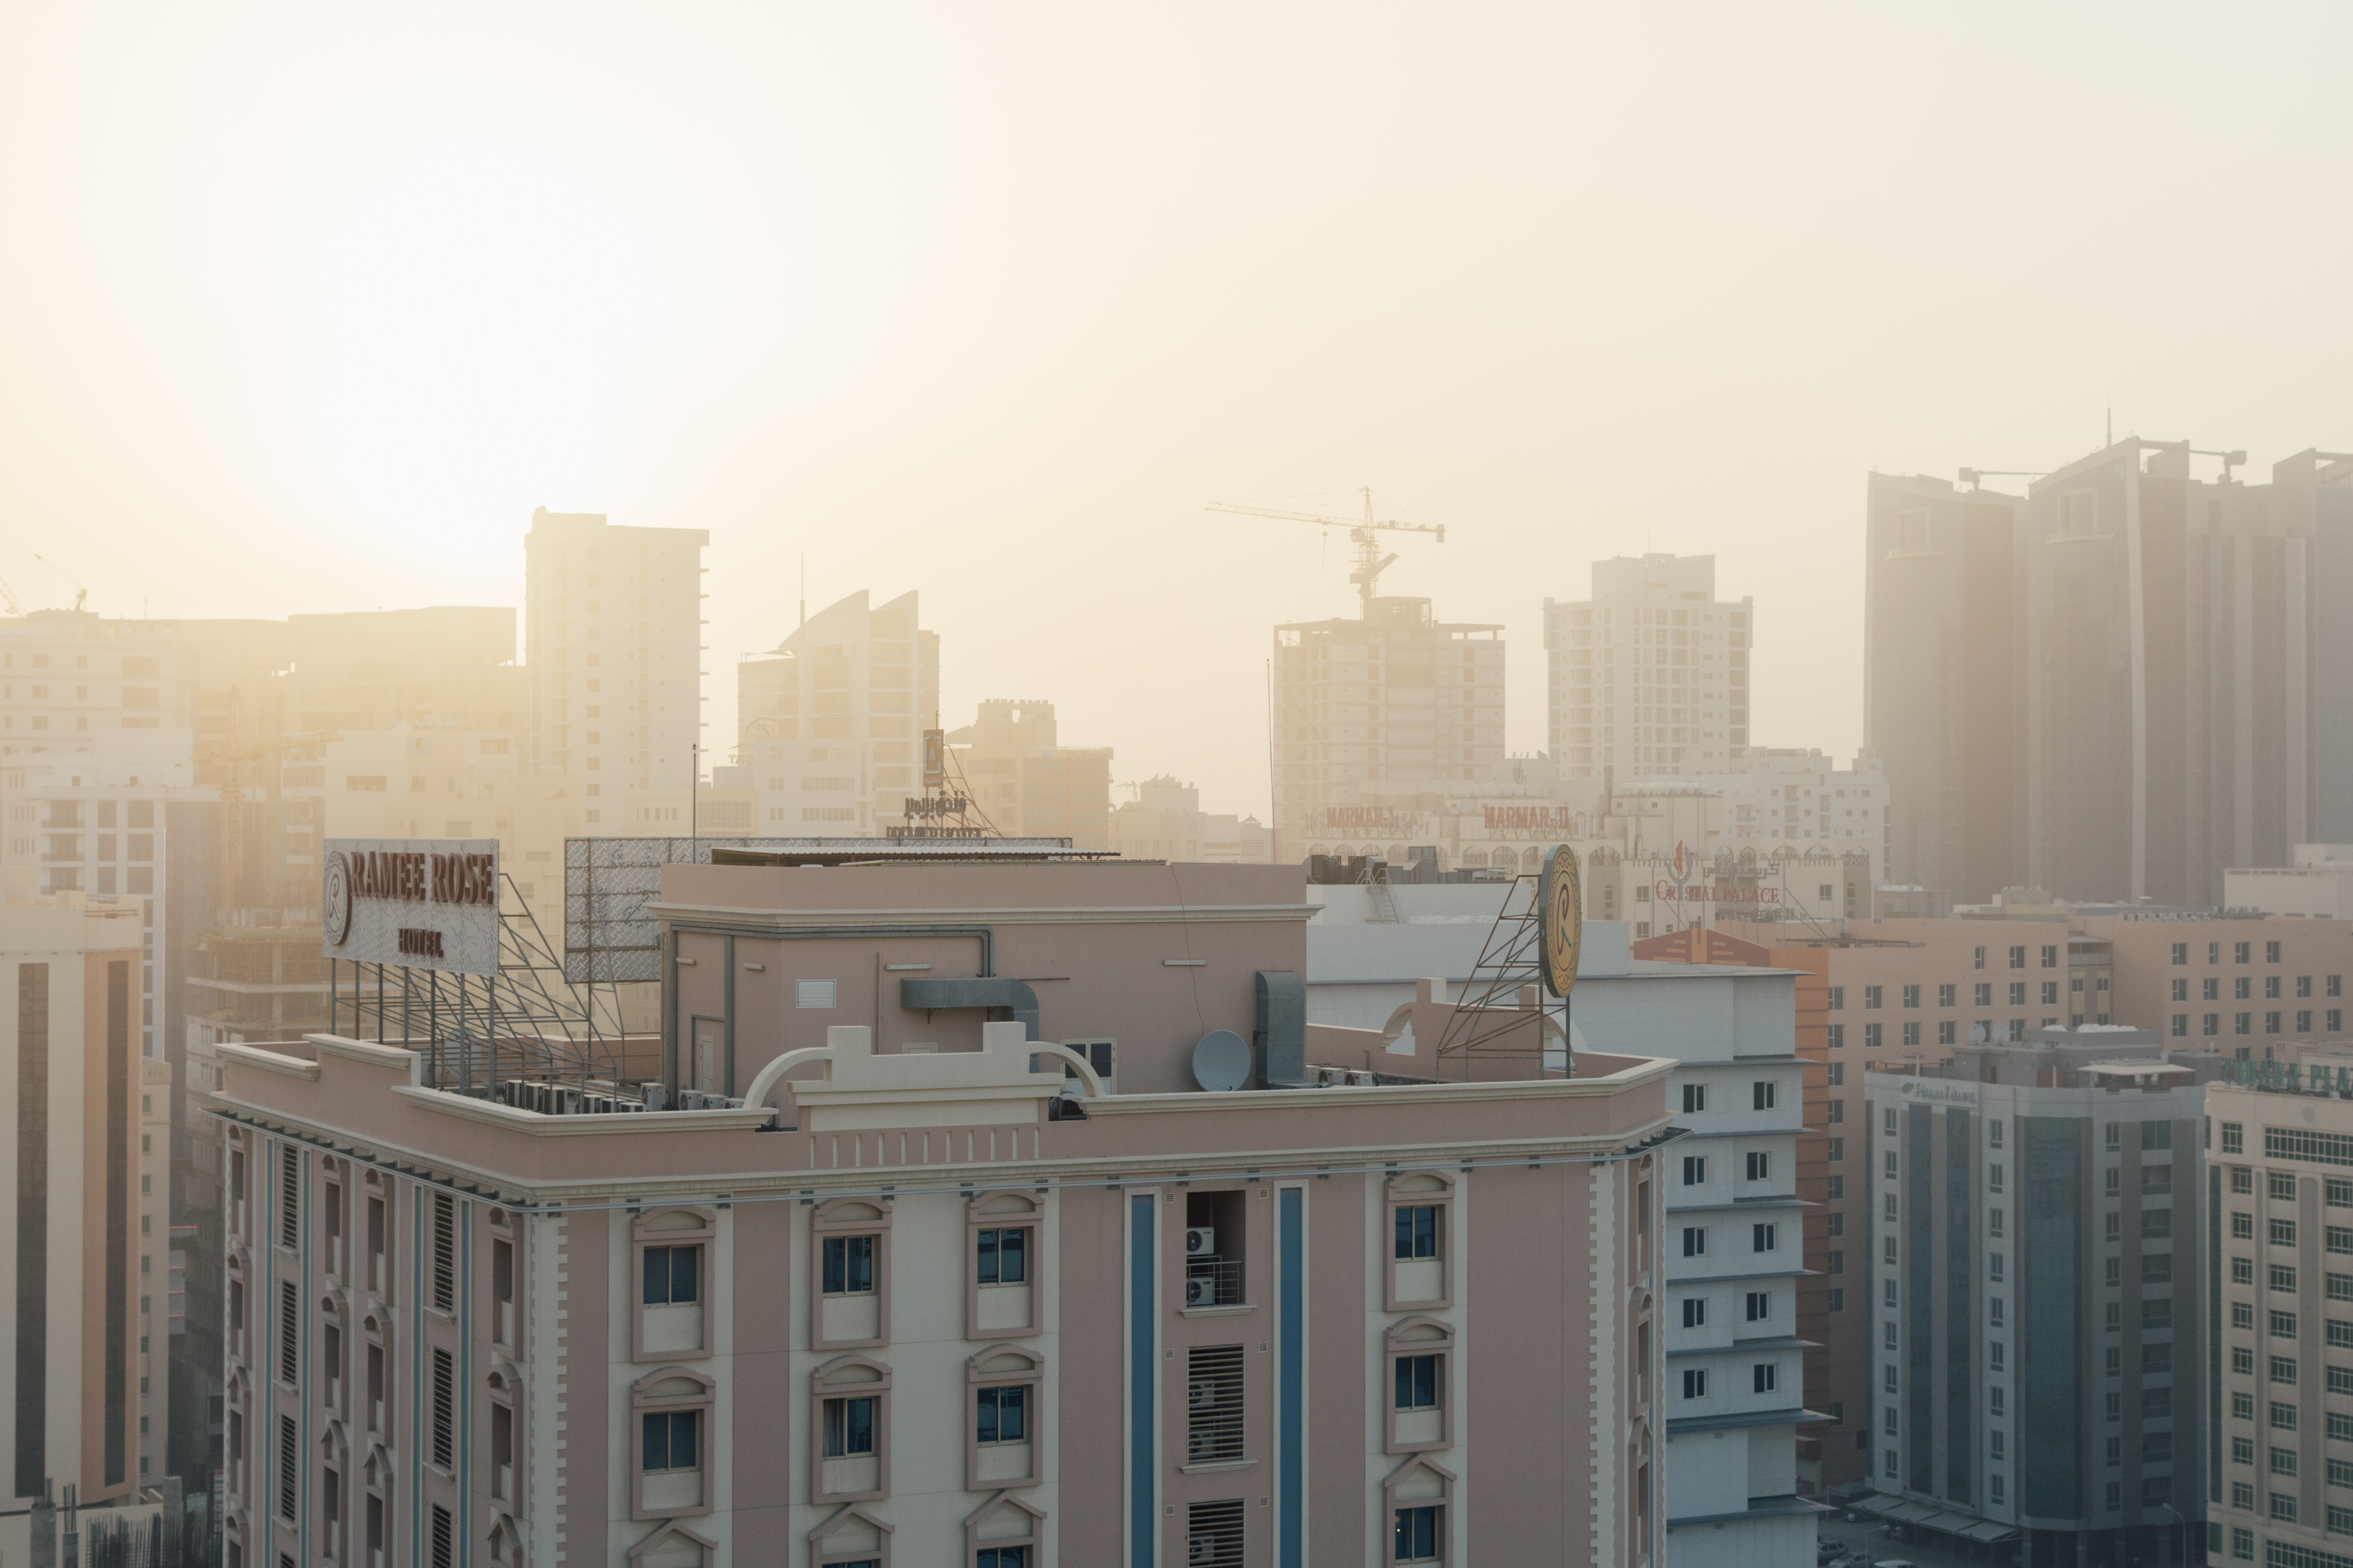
{"x": 85, "y": 1252}
{"x": 2163, "y": 652}
{"x": 2034, "y": 1244}
{"x": 613, "y": 622}
{"x": 1649, "y": 674}
{"x": 1165, "y": 822}
{"x": 830, "y": 725}
{"x": 944, "y": 1289}
{"x": 1031, "y": 786}
{"x": 1942, "y": 641}
{"x": 1379, "y": 714}
{"x": 2279, "y": 1196}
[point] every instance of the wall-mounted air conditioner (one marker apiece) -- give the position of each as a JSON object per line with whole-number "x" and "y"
{"x": 1200, "y": 1241}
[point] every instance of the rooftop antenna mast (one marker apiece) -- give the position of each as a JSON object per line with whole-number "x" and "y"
{"x": 1364, "y": 532}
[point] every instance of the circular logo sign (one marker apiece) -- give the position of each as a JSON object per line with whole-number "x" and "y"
{"x": 1561, "y": 913}
{"x": 335, "y": 900}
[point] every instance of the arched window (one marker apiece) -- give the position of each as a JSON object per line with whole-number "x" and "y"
{"x": 851, "y": 1239}
{"x": 1004, "y": 1280}
{"x": 672, "y": 1250}
{"x": 1421, "y": 1242}
{"x": 1419, "y": 1352}
{"x": 670, "y": 1442}
{"x": 849, "y": 1416}
{"x": 1005, "y": 1418}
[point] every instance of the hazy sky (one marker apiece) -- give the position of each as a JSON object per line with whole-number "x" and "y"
{"x": 305, "y": 309}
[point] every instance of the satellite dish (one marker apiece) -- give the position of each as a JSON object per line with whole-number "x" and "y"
{"x": 1221, "y": 1061}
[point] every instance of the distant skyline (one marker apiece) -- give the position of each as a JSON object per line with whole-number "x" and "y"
{"x": 305, "y": 311}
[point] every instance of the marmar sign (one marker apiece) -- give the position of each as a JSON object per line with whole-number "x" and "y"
{"x": 419, "y": 903}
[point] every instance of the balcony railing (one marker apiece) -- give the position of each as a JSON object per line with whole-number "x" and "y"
{"x": 1213, "y": 1282}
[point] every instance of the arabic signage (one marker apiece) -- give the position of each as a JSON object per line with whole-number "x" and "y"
{"x": 418, "y": 903}
{"x": 1371, "y": 821}
{"x": 2314, "y": 1078}
{"x": 1676, "y": 886}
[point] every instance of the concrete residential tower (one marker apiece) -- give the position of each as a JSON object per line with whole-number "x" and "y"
{"x": 831, "y": 723}
{"x": 1649, "y": 676}
{"x": 613, "y": 627}
{"x": 1376, "y": 719}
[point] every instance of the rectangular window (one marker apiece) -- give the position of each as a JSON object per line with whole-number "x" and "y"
{"x": 1763, "y": 1096}
{"x": 290, "y": 1468}
{"x": 850, "y": 1426}
{"x": 1005, "y": 1256}
{"x": 849, "y": 1265}
{"x": 1981, "y": 995}
{"x": 2282, "y": 1278}
{"x": 673, "y": 1275}
{"x": 1694, "y": 1170}
{"x": 290, "y": 1327}
{"x": 1765, "y": 1376}
{"x": 2018, "y": 958}
{"x": 1694, "y": 1241}
{"x": 1836, "y": 998}
{"x": 1834, "y": 1151}
{"x": 2283, "y": 1416}
{"x": 1760, "y": 1167}
{"x": 1872, "y": 995}
{"x": 1947, "y": 995}
{"x": 445, "y": 1416}
{"x": 1838, "y": 1036}
{"x": 1764, "y": 1237}
{"x": 1420, "y": 1536}
{"x": 1870, "y": 1037}
{"x": 1760, "y": 1306}
{"x": 1213, "y": 1418}
{"x": 1418, "y": 1229}
{"x": 1911, "y": 1033}
{"x": 1418, "y": 1382}
{"x": 2235, "y": 1137}
{"x": 2282, "y": 1231}
{"x": 673, "y": 1440}
{"x": 1694, "y": 1099}
{"x": 1911, "y": 995}
{"x": 2282, "y": 1368}
{"x": 1695, "y": 1311}
{"x": 1695, "y": 1382}
{"x": 1003, "y": 1414}
{"x": 445, "y": 1252}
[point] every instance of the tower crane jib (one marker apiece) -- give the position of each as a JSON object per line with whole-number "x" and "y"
{"x": 1363, "y": 532}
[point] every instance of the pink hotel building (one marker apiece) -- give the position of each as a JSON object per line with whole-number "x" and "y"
{"x": 973, "y": 1273}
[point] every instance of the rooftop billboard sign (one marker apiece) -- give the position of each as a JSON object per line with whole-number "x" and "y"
{"x": 415, "y": 903}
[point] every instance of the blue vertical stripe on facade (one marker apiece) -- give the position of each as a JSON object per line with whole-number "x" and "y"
{"x": 1142, "y": 1379}
{"x": 1961, "y": 1402}
{"x": 2052, "y": 1205}
{"x": 1919, "y": 1265}
{"x": 1291, "y": 1388}
{"x": 2213, "y": 1340}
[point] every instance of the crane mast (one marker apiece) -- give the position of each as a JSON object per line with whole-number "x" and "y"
{"x": 1364, "y": 534}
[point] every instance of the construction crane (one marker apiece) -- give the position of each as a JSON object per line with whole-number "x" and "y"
{"x": 1364, "y": 532}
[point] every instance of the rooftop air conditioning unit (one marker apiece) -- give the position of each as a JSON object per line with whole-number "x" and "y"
{"x": 1200, "y": 1292}
{"x": 1200, "y": 1241}
{"x": 1362, "y": 1080}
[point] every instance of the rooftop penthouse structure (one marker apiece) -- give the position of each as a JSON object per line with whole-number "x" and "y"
{"x": 999, "y": 1240}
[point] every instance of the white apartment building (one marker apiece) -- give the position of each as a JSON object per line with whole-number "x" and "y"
{"x": 831, "y": 723}
{"x": 1777, "y": 795}
{"x": 98, "y": 821}
{"x": 2282, "y": 1165}
{"x": 1649, "y": 676}
{"x": 1375, "y": 714}
{"x": 67, "y": 677}
{"x": 613, "y": 632}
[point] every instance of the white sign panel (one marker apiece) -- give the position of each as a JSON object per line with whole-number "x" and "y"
{"x": 422, "y": 903}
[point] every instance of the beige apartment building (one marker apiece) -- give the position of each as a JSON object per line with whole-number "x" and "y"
{"x": 1897, "y": 993}
{"x": 1165, "y": 822}
{"x": 934, "y": 1286}
{"x": 1649, "y": 676}
{"x": 85, "y": 1253}
{"x": 1380, "y": 715}
{"x": 1029, "y": 784}
{"x": 613, "y": 622}
{"x": 831, "y": 723}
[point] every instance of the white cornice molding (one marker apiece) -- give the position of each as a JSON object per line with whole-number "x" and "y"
{"x": 268, "y": 1061}
{"x": 1109, "y": 914}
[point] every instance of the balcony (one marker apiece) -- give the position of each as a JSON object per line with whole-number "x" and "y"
{"x": 1212, "y": 1282}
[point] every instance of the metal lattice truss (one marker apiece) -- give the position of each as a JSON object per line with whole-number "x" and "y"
{"x": 1489, "y": 1022}
{"x": 528, "y": 1020}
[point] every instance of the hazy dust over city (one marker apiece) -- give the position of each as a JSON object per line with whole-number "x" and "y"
{"x": 1048, "y": 785}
